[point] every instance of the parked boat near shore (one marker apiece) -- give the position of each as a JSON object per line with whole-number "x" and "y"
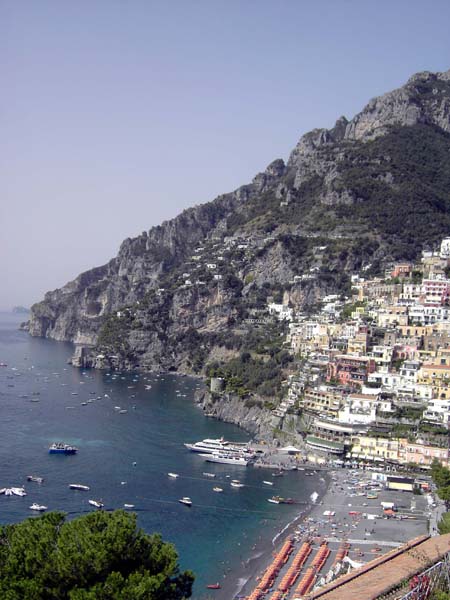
{"x": 226, "y": 459}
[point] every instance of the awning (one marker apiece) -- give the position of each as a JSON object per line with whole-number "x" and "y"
{"x": 290, "y": 449}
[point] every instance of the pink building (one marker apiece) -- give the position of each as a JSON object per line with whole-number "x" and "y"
{"x": 405, "y": 351}
{"x": 421, "y": 454}
{"x": 350, "y": 370}
{"x": 402, "y": 270}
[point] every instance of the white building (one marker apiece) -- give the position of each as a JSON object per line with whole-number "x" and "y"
{"x": 283, "y": 312}
{"x": 445, "y": 248}
{"x": 438, "y": 411}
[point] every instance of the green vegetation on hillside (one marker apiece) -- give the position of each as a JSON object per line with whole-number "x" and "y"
{"x": 100, "y": 556}
{"x": 441, "y": 477}
{"x": 401, "y": 186}
{"x": 247, "y": 374}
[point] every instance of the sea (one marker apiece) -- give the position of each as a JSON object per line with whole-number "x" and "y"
{"x": 125, "y": 457}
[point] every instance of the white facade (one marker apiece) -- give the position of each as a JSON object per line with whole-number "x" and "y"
{"x": 445, "y": 248}
{"x": 283, "y": 312}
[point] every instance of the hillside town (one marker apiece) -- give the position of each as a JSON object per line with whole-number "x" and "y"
{"x": 374, "y": 381}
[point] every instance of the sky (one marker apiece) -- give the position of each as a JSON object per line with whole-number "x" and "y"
{"x": 116, "y": 115}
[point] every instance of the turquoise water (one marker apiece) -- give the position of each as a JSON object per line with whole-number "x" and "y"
{"x": 213, "y": 537}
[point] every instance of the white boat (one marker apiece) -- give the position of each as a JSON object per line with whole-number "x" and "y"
{"x": 38, "y": 507}
{"x": 18, "y": 491}
{"x": 35, "y": 478}
{"x": 236, "y": 483}
{"x": 123, "y": 411}
{"x": 268, "y": 482}
{"x": 208, "y": 446}
{"x": 217, "y": 489}
{"x": 79, "y": 486}
{"x": 273, "y": 500}
{"x": 128, "y": 505}
{"x": 96, "y": 503}
{"x": 209, "y": 474}
{"x": 186, "y": 501}
{"x": 173, "y": 475}
{"x": 226, "y": 459}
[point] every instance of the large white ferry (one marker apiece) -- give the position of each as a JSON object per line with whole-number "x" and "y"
{"x": 210, "y": 446}
{"x": 226, "y": 458}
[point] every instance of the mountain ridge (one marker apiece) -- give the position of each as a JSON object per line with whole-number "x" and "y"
{"x": 349, "y": 188}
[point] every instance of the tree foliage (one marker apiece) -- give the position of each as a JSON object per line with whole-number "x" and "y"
{"x": 247, "y": 374}
{"x": 100, "y": 556}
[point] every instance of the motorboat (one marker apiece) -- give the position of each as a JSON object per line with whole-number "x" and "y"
{"x": 173, "y": 475}
{"x": 79, "y": 486}
{"x": 186, "y": 501}
{"x": 209, "y": 474}
{"x": 18, "y": 491}
{"x": 236, "y": 483}
{"x": 61, "y": 448}
{"x": 213, "y": 586}
{"x": 96, "y": 503}
{"x": 217, "y": 489}
{"x": 128, "y": 505}
{"x": 35, "y": 478}
{"x": 274, "y": 500}
{"x": 268, "y": 482}
{"x": 38, "y": 507}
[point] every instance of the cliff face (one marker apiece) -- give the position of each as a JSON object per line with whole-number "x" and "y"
{"x": 255, "y": 419}
{"x": 367, "y": 191}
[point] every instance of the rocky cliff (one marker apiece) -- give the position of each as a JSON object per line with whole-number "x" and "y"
{"x": 352, "y": 198}
{"x": 253, "y": 417}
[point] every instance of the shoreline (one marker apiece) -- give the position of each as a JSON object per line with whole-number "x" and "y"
{"x": 356, "y": 520}
{"x": 242, "y": 581}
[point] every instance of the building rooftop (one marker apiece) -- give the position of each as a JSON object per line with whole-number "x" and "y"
{"x": 390, "y": 571}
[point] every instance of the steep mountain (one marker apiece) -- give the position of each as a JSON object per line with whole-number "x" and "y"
{"x": 349, "y": 199}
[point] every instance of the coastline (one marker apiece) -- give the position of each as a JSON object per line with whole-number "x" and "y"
{"x": 242, "y": 582}
{"x": 355, "y": 520}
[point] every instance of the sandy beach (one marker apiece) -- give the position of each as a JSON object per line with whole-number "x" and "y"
{"x": 349, "y": 517}
{"x": 240, "y": 584}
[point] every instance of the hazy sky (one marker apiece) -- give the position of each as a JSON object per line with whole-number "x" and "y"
{"x": 115, "y": 115}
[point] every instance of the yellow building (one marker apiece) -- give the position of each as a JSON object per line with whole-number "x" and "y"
{"x": 375, "y": 448}
{"x": 358, "y": 344}
{"x": 399, "y": 450}
{"x": 322, "y": 400}
{"x": 434, "y": 374}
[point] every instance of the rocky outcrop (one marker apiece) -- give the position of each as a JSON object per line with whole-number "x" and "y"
{"x": 251, "y": 415}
